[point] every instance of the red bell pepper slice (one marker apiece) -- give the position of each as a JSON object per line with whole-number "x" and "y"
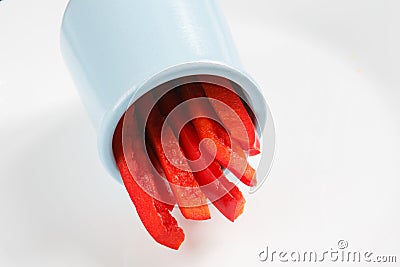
{"x": 154, "y": 214}
{"x": 191, "y": 200}
{"x": 243, "y": 131}
{"x": 163, "y": 187}
{"x": 224, "y": 195}
{"x": 229, "y": 158}
{"x": 256, "y": 149}
{"x": 158, "y": 179}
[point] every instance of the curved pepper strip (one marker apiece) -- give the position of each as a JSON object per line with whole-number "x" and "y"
{"x": 154, "y": 214}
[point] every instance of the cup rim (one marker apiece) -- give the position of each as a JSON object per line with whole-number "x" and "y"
{"x": 113, "y": 115}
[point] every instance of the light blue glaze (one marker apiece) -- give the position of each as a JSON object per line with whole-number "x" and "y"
{"x": 118, "y": 50}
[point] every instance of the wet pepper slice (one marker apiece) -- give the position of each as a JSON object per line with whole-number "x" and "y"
{"x": 154, "y": 214}
{"x": 224, "y": 195}
{"x": 247, "y": 136}
{"x": 257, "y": 147}
{"x": 191, "y": 200}
{"x": 232, "y": 157}
{"x": 162, "y": 184}
{"x": 164, "y": 174}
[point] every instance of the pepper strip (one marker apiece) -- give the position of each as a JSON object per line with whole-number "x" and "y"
{"x": 224, "y": 195}
{"x": 245, "y": 137}
{"x": 191, "y": 200}
{"x": 256, "y": 149}
{"x": 228, "y": 157}
{"x": 154, "y": 214}
{"x": 166, "y": 194}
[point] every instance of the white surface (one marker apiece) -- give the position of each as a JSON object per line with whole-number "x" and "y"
{"x": 330, "y": 73}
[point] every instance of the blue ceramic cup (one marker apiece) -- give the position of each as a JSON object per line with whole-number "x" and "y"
{"x": 118, "y": 50}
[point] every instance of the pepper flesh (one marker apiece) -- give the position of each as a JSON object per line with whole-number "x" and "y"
{"x": 246, "y": 137}
{"x": 224, "y": 195}
{"x": 191, "y": 200}
{"x": 257, "y": 147}
{"x": 166, "y": 194}
{"x": 200, "y": 176}
{"x": 154, "y": 214}
{"x": 230, "y": 158}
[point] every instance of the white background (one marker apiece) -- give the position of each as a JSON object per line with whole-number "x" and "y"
{"x": 330, "y": 72}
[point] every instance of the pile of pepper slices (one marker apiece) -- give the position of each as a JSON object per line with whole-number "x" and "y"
{"x": 172, "y": 165}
